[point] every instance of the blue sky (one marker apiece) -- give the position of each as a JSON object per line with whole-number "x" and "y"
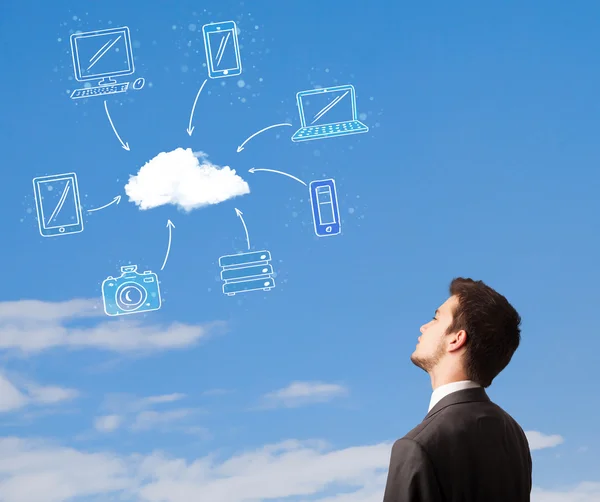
{"x": 480, "y": 160}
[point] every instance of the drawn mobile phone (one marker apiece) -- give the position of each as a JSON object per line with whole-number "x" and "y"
{"x": 222, "y": 49}
{"x": 57, "y": 203}
{"x": 326, "y": 215}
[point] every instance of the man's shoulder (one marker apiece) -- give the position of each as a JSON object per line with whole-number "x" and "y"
{"x": 459, "y": 419}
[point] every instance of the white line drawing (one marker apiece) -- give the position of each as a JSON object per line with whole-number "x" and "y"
{"x": 124, "y": 145}
{"x": 131, "y": 292}
{"x": 222, "y": 49}
{"x": 116, "y": 200}
{"x": 245, "y": 272}
{"x": 324, "y": 202}
{"x": 254, "y": 169}
{"x": 190, "y": 128}
{"x": 170, "y": 226}
{"x": 57, "y": 195}
{"x": 240, "y": 214}
{"x": 241, "y": 147}
{"x": 103, "y": 55}
{"x": 339, "y": 102}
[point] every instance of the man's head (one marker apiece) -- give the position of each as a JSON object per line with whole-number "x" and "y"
{"x": 473, "y": 334}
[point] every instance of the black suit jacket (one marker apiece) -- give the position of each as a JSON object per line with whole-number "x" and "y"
{"x": 467, "y": 449}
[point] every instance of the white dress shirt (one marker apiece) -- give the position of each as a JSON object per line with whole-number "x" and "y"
{"x": 443, "y": 390}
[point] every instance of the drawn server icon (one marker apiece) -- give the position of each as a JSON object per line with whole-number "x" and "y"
{"x": 246, "y": 272}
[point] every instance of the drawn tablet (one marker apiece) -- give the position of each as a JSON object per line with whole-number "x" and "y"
{"x": 58, "y": 205}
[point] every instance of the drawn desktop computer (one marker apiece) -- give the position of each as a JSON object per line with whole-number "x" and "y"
{"x": 246, "y": 272}
{"x": 103, "y": 55}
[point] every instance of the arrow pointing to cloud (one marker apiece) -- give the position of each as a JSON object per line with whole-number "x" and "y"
{"x": 239, "y": 213}
{"x": 190, "y": 128}
{"x": 170, "y": 226}
{"x": 254, "y": 169}
{"x": 124, "y": 145}
{"x": 241, "y": 147}
{"x": 116, "y": 200}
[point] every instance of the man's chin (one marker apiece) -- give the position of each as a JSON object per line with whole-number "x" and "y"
{"x": 417, "y": 361}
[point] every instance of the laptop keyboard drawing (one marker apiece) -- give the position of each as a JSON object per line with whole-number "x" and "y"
{"x": 329, "y": 112}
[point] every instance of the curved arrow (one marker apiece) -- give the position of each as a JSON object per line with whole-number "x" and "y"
{"x": 124, "y": 145}
{"x": 116, "y": 200}
{"x": 241, "y": 147}
{"x": 254, "y": 169}
{"x": 170, "y": 226}
{"x": 239, "y": 213}
{"x": 190, "y": 129}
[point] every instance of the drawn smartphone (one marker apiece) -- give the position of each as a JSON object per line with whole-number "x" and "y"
{"x": 58, "y": 205}
{"x": 326, "y": 214}
{"x": 222, "y": 49}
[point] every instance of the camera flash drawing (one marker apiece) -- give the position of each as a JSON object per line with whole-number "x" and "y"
{"x": 57, "y": 204}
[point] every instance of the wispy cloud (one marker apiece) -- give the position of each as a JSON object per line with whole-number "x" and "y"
{"x": 43, "y": 472}
{"x": 32, "y": 326}
{"x": 303, "y": 393}
{"x": 18, "y": 393}
{"x": 538, "y": 440}
{"x": 39, "y": 471}
{"x": 137, "y": 414}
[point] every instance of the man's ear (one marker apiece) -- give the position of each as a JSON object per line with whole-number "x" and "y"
{"x": 457, "y": 340}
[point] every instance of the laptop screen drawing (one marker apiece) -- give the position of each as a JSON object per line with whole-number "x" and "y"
{"x": 328, "y": 107}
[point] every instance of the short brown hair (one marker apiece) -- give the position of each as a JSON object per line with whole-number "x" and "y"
{"x": 492, "y": 326}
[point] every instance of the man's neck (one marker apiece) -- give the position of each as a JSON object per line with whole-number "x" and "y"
{"x": 438, "y": 380}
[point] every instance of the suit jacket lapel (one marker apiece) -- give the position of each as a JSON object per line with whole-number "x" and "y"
{"x": 460, "y": 396}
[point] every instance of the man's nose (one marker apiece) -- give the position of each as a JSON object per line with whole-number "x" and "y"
{"x": 422, "y": 328}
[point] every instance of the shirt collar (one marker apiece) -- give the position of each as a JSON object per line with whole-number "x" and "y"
{"x": 443, "y": 390}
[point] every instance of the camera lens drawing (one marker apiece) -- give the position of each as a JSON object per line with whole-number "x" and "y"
{"x": 131, "y": 292}
{"x": 100, "y": 57}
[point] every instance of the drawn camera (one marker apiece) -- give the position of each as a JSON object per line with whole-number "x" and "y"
{"x": 131, "y": 293}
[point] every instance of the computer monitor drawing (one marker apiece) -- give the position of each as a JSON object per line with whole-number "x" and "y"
{"x": 101, "y": 56}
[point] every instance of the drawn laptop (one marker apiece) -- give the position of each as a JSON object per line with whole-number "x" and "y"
{"x": 328, "y": 112}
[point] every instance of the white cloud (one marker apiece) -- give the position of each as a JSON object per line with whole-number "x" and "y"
{"x": 33, "y": 471}
{"x": 150, "y": 419}
{"x": 583, "y": 492}
{"x": 183, "y": 178}
{"x": 31, "y": 326}
{"x": 38, "y": 471}
{"x": 539, "y": 441}
{"x": 137, "y": 414}
{"x": 302, "y": 393}
{"x": 15, "y": 395}
{"x": 107, "y": 423}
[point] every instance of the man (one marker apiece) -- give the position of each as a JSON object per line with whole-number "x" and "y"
{"x": 467, "y": 449}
